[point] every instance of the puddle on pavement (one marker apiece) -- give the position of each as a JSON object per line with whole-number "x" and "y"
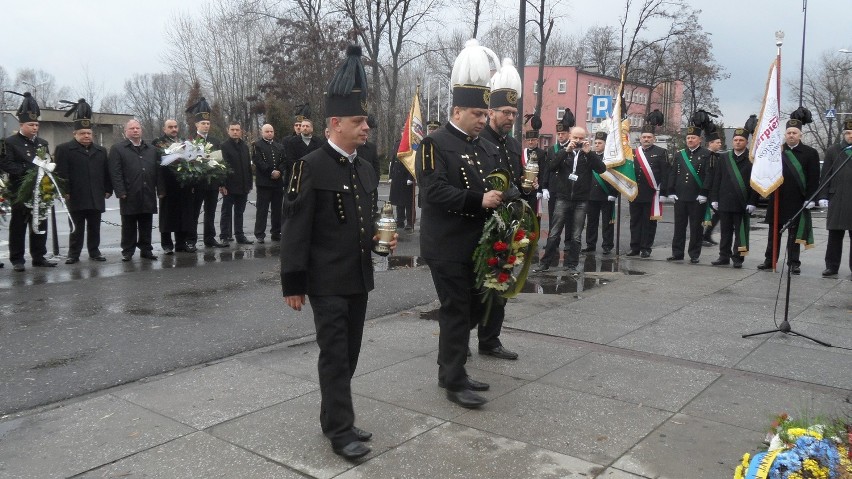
{"x": 386, "y": 263}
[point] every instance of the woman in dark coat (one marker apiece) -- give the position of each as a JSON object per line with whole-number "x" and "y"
{"x": 401, "y": 193}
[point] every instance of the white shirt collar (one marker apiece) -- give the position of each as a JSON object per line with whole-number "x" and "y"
{"x": 350, "y": 156}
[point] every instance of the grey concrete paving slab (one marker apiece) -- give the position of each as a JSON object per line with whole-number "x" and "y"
{"x": 688, "y": 447}
{"x": 612, "y": 473}
{"x": 634, "y": 380}
{"x": 413, "y": 384}
{"x": 404, "y": 332}
{"x": 753, "y": 403}
{"x": 453, "y": 451}
{"x": 526, "y": 305}
{"x": 582, "y": 325}
{"x": 818, "y": 366}
{"x": 590, "y": 427}
{"x": 537, "y": 356}
{"x": 839, "y": 337}
{"x": 644, "y": 306}
{"x": 195, "y": 455}
{"x": 289, "y": 433}
{"x": 722, "y": 349}
{"x": 80, "y": 436}
{"x": 833, "y": 308}
{"x": 208, "y": 395}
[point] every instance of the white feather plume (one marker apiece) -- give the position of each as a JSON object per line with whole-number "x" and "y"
{"x": 472, "y": 66}
{"x": 507, "y": 77}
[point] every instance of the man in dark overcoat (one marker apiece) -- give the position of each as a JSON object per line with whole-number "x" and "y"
{"x": 401, "y": 193}
{"x": 133, "y": 168}
{"x": 268, "y": 157}
{"x": 837, "y": 197}
{"x": 235, "y": 153}
{"x": 177, "y": 201}
{"x": 84, "y": 165}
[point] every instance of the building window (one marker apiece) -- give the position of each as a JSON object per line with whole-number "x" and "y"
{"x": 588, "y": 114}
{"x": 563, "y": 86}
{"x": 590, "y": 88}
{"x": 535, "y": 87}
{"x": 560, "y": 112}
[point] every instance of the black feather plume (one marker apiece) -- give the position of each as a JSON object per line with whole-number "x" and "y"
{"x": 350, "y": 75}
{"x": 28, "y": 105}
{"x": 750, "y": 124}
{"x": 568, "y": 120}
{"x": 200, "y": 106}
{"x": 535, "y": 122}
{"x": 655, "y": 118}
{"x": 14, "y": 92}
{"x": 802, "y": 114}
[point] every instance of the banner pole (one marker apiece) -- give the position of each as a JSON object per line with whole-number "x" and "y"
{"x": 777, "y": 194}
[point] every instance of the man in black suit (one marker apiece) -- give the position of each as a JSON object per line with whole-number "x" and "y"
{"x": 327, "y": 238}
{"x": 297, "y": 146}
{"x": 687, "y": 187}
{"x": 268, "y": 157}
{"x": 601, "y": 206}
{"x": 237, "y": 185}
{"x": 84, "y": 165}
{"x": 651, "y": 168}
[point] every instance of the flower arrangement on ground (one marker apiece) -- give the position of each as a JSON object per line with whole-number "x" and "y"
{"x": 801, "y": 449}
{"x": 509, "y": 239}
{"x": 195, "y": 162}
{"x": 39, "y": 188}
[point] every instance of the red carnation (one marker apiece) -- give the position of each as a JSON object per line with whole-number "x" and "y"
{"x": 511, "y": 259}
{"x": 492, "y": 261}
{"x": 520, "y": 235}
{"x": 502, "y": 277}
{"x": 500, "y": 246}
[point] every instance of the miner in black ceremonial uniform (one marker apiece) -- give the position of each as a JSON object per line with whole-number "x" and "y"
{"x": 600, "y": 209}
{"x": 20, "y": 152}
{"x": 687, "y": 187}
{"x": 327, "y": 238}
{"x": 651, "y": 166}
{"x": 297, "y": 146}
{"x": 177, "y": 202}
{"x": 800, "y": 169}
{"x": 451, "y": 166}
{"x": 506, "y": 89}
{"x": 533, "y": 153}
{"x": 268, "y": 157}
{"x": 837, "y": 197}
{"x": 370, "y": 153}
{"x": 83, "y": 165}
{"x": 733, "y": 198}
{"x": 206, "y": 194}
{"x": 402, "y": 194}
{"x": 713, "y": 140}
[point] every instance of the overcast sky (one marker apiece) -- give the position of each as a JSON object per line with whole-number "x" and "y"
{"x": 116, "y": 39}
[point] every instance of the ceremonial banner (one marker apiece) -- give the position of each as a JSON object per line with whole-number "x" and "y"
{"x": 767, "y": 145}
{"x": 618, "y": 157}
{"x": 412, "y": 134}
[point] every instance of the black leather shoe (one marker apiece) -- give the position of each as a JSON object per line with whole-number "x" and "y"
{"x": 829, "y": 272}
{"x": 721, "y": 262}
{"x": 276, "y": 237}
{"x": 244, "y": 240}
{"x": 97, "y": 258}
{"x": 632, "y": 253}
{"x": 674, "y": 258}
{"x": 472, "y": 384}
{"x": 795, "y": 270}
{"x": 693, "y": 260}
{"x": 169, "y": 250}
{"x": 589, "y": 249}
{"x": 466, "y": 398}
{"x": 765, "y": 265}
{"x": 215, "y": 244}
{"x": 711, "y": 241}
{"x": 43, "y": 263}
{"x": 19, "y": 267}
{"x": 72, "y": 260}
{"x": 149, "y": 256}
{"x": 543, "y": 267}
{"x": 361, "y": 434}
{"x": 260, "y": 240}
{"x": 644, "y": 254}
{"x": 353, "y": 450}
{"x": 738, "y": 264}
{"x": 126, "y": 257}
{"x": 499, "y": 352}
{"x": 190, "y": 248}
{"x": 607, "y": 251}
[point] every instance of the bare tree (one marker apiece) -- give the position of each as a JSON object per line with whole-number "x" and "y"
{"x": 563, "y": 49}
{"x": 89, "y": 88}
{"x": 602, "y": 44}
{"x": 827, "y": 84}
{"x": 42, "y": 85}
{"x": 5, "y": 84}
{"x": 673, "y": 13}
{"x": 694, "y": 65}
{"x": 153, "y": 98}
{"x": 545, "y": 17}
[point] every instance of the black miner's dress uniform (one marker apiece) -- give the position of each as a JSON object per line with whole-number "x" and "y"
{"x": 792, "y": 199}
{"x": 451, "y": 170}
{"x": 687, "y": 209}
{"x": 177, "y": 206}
{"x": 599, "y": 212}
{"x": 268, "y": 156}
{"x": 838, "y": 192}
{"x": 206, "y": 195}
{"x": 725, "y": 190}
{"x": 20, "y": 152}
{"x": 295, "y": 148}
{"x": 369, "y": 152}
{"x": 87, "y": 173}
{"x": 643, "y": 229}
{"x": 327, "y": 206}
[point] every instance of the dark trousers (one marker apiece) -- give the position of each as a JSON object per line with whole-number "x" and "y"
{"x": 453, "y": 284}
{"x": 643, "y": 229}
{"x": 729, "y": 243}
{"x": 208, "y": 198}
{"x": 689, "y": 213}
{"x": 834, "y": 249}
{"x": 136, "y": 233}
{"x": 403, "y": 215}
{"x": 489, "y": 333}
{"x": 793, "y": 248}
{"x": 600, "y": 213}
{"x": 18, "y": 228}
{"x": 233, "y": 205}
{"x": 88, "y": 221}
{"x": 551, "y": 204}
{"x": 708, "y": 230}
{"x": 570, "y": 215}
{"x": 180, "y": 241}
{"x": 265, "y": 198}
{"x": 339, "y": 322}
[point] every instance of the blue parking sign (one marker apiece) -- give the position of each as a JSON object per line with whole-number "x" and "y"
{"x": 601, "y": 106}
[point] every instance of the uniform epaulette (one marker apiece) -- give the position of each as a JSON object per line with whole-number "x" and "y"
{"x": 292, "y": 200}
{"x": 427, "y": 156}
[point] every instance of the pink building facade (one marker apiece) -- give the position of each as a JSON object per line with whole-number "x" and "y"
{"x": 570, "y": 87}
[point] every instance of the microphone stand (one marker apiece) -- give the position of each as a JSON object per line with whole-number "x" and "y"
{"x": 784, "y": 327}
